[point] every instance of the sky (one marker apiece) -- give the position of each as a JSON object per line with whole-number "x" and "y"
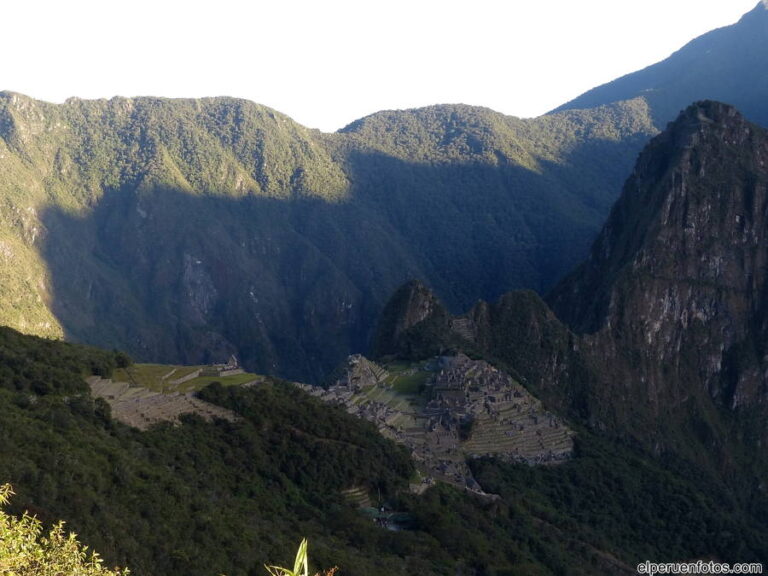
{"x": 326, "y": 63}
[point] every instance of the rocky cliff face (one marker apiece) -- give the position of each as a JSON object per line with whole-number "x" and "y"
{"x": 661, "y": 336}
{"x": 412, "y": 323}
{"x": 672, "y": 301}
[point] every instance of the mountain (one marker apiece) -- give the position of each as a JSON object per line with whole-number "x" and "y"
{"x": 189, "y": 230}
{"x": 671, "y": 301}
{"x": 727, "y": 65}
{"x": 659, "y": 338}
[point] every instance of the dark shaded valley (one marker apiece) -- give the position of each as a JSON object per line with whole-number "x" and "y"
{"x": 174, "y": 262}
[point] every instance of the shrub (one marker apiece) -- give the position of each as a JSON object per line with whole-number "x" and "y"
{"x": 25, "y": 550}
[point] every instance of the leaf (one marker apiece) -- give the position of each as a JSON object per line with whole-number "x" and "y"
{"x": 301, "y": 559}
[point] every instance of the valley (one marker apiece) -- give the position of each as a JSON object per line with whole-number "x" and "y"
{"x": 538, "y": 346}
{"x": 183, "y": 231}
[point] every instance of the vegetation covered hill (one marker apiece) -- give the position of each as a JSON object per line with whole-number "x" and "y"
{"x": 199, "y": 498}
{"x": 186, "y": 230}
{"x": 727, "y": 65}
{"x": 210, "y": 498}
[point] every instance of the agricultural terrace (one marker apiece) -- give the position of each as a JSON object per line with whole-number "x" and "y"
{"x": 166, "y": 378}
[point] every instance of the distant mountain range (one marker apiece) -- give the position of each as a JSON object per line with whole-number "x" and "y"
{"x": 188, "y": 230}
{"x": 727, "y": 65}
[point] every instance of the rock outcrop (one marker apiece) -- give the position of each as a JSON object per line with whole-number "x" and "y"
{"x": 412, "y": 323}
{"x": 672, "y": 301}
{"x": 661, "y": 336}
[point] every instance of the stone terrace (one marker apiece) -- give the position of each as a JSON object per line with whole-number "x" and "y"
{"x": 141, "y": 408}
{"x": 470, "y": 409}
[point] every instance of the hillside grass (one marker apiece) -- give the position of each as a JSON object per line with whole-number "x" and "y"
{"x": 407, "y": 378}
{"x": 234, "y": 380}
{"x": 158, "y": 377}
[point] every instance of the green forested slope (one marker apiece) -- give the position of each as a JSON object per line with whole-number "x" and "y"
{"x": 187, "y": 230}
{"x": 226, "y": 497}
{"x": 195, "y": 499}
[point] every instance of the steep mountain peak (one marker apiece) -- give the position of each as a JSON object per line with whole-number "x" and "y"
{"x": 693, "y": 188}
{"x": 410, "y": 320}
{"x": 708, "y": 112}
{"x": 675, "y": 285}
{"x": 708, "y": 119}
{"x": 442, "y": 133}
{"x": 761, "y": 8}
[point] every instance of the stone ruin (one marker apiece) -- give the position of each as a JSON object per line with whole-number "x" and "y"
{"x": 469, "y": 409}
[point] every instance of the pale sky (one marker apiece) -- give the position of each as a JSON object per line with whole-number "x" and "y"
{"x": 326, "y": 63}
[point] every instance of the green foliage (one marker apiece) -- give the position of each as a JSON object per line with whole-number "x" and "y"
{"x": 300, "y": 565}
{"x": 208, "y": 498}
{"x": 407, "y": 379}
{"x": 202, "y": 227}
{"x": 220, "y": 498}
{"x": 24, "y": 549}
{"x": 44, "y": 367}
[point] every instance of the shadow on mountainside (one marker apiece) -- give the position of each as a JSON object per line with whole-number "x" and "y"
{"x": 293, "y": 285}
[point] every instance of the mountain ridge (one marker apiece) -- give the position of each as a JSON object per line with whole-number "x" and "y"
{"x": 714, "y": 66}
{"x": 187, "y": 230}
{"x": 659, "y": 337}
